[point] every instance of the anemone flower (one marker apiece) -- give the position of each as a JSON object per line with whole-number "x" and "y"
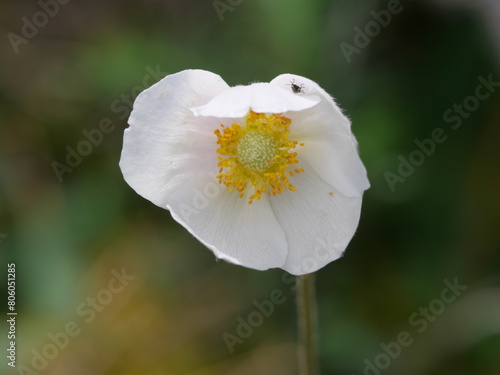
{"x": 265, "y": 175}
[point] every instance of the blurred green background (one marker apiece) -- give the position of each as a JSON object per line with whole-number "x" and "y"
{"x": 66, "y": 235}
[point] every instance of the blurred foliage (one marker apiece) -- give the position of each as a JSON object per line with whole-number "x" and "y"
{"x": 67, "y": 237}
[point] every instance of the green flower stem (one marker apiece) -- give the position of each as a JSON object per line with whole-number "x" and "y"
{"x": 307, "y": 325}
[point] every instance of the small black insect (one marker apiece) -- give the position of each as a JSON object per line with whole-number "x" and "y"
{"x": 296, "y": 88}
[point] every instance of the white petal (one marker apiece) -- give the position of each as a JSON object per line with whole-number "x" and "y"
{"x": 260, "y": 97}
{"x": 330, "y": 147}
{"x": 165, "y": 141}
{"x": 241, "y": 233}
{"x": 318, "y": 226}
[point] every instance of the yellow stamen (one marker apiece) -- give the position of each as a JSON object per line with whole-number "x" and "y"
{"x": 257, "y": 155}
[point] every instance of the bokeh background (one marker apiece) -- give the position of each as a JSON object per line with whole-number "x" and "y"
{"x": 67, "y": 235}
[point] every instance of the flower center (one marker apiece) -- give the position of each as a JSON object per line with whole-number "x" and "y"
{"x": 256, "y": 150}
{"x": 257, "y": 155}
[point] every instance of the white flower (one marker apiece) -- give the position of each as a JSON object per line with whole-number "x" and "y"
{"x": 265, "y": 175}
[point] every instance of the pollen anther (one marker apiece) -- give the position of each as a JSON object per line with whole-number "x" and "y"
{"x": 257, "y": 155}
